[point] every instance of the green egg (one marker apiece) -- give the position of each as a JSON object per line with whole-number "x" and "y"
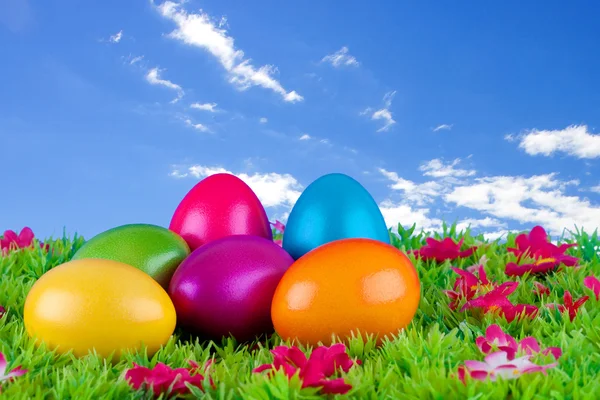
{"x": 153, "y": 249}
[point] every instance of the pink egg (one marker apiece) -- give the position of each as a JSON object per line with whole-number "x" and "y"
{"x": 220, "y": 205}
{"x": 227, "y": 286}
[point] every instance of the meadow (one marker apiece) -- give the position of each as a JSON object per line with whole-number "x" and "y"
{"x": 515, "y": 318}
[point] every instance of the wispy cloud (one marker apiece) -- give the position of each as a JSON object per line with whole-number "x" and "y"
{"x": 201, "y": 31}
{"x": 595, "y": 189}
{"x": 304, "y": 137}
{"x": 341, "y": 58}
{"x": 153, "y": 78}
{"x": 200, "y": 127}
{"x": 210, "y": 107}
{"x": 135, "y": 60}
{"x": 442, "y": 127}
{"x": 263, "y": 120}
{"x": 574, "y": 140}
{"x": 384, "y": 114}
{"x": 437, "y": 169}
{"x": 116, "y": 38}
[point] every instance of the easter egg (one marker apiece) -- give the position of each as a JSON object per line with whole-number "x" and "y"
{"x": 153, "y": 249}
{"x": 226, "y": 286}
{"x": 346, "y": 286}
{"x": 218, "y": 206}
{"x": 98, "y": 304}
{"x": 333, "y": 207}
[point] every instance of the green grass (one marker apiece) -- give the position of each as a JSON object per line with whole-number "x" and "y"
{"x": 420, "y": 363}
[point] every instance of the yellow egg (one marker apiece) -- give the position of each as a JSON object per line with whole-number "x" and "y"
{"x": 99, "y": 304}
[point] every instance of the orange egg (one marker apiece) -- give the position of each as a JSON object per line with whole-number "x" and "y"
{"x": 345, "y": 286}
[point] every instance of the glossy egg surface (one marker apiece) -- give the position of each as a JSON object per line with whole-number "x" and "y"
{"x": 153, "y": 249}
{"x": 218, "y": 206}
{"x": 333, "y": 207}
{"x": 349, "y": 285}
{"x": 226, "y": 287}
{"x": 98, "y": 304}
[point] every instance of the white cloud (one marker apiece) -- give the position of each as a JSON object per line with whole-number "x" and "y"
{"x": 419, "y": 194}
{"x": 437, "y": 169}
{"x": 595, "y": 189}
{"x": 136, "y": 59}
{"x": 200, "y": 127}
{"x": 384, "y": 114}
{"x": 495, "y": 234}
{"x": 341, "y": 58}
{"x": 201, "y": 31}
{"x": 442, "y": 127}
{"x": 116, "y": 38}
{"x": 263, "y": 120}
{"x": 538, "y": 199}
{"x": 404, "y": 214}
{"x": 273, "y": 189}
{"x": 305, "y": 137}
{"x": 486, "y": 222}
{"x": 324, "y": 141}
{"x": 210, "y": 107}
{"x": 153, "y": 77}
{"x": 574, "y": 140}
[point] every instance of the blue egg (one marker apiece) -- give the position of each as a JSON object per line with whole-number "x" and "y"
{"x": 333, "y": 207}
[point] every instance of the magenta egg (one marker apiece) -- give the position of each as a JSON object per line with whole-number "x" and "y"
{"x": 218, "y": 206}
{"x": 226, "y": 287}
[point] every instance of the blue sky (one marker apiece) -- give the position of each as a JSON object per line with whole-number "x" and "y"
{"x": 484, "y": 114}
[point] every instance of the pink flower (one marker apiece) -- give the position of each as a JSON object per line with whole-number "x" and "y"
{"x": 540, "y": 289}
{"x": 519, "y": 310}
{"x": 569, "y": 305}
{"x": 497, "y": 365}
{"x": 323, "y": 363}
{"x": 467, "y": 285}
{"x": 162, "y": 377}
{"x": 535, "y": 244}
{"x": 592, "y": 283}
{"x": 12, "y": 374}
{"x": 279, "y": 226}
{"x": 442, "y": 250}
{"x": 2, "y": 311}
{"x": 12, "y": 241}
{"x": 497, "y": 300}
{"x": 539, "y": 267}
{"x": 495, "y": 338}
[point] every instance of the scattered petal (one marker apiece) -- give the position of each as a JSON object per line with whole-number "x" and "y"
{"x": 323, "y": 363}
{"x": 161, "y": 378}
{"x": 540, "y": 289}
{"x": 592, "y": 283}
{"x": 442, "y": 250}
{"x": 568, "y": 305}
{"x": 536, "y": 245}
{"x": 498, "y": 364}
{"x": 12, "y": 374}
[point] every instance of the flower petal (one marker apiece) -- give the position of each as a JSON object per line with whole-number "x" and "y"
{"x": 555, "y": 351}
{"x": 496, "y": 359}
{"x": 495, "y": 334}
{"x": 481, "y": 375}
{"x": 529, "y": 345}
{"x": 25, "y": 237}
{"x": 474, "y": 365}
{"x": 335, "y": 386}
{"x": 592, "y": 283}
